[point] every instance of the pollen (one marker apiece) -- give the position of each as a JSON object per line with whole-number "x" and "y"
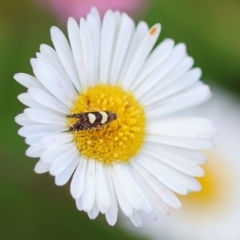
{"x": 153, "y": 30}
{"x": 116, "y": 141}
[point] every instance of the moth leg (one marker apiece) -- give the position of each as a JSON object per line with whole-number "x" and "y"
{"x": 99, "y": 127}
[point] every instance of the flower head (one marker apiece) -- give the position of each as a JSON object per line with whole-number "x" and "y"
{"x": 97, "y": 111}
{"x": 213, "y": 213}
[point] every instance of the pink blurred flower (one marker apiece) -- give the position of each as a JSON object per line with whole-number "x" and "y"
{"x": 80, "y": 8}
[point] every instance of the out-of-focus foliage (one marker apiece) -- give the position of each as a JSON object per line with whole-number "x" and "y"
{"x": 31, "y": 206}
{"x": 210, "y": 28}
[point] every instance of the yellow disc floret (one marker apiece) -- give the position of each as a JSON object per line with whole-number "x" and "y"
{"x": 118, "y": 140}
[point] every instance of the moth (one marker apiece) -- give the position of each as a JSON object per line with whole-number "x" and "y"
{"x": 91, "y": 120}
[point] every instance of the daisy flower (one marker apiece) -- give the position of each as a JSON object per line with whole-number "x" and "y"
{"x": 97, "y": 111}
{"x": 213, "y": 213}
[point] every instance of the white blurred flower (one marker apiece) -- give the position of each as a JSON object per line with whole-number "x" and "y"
{"x": 80, "y": 8}
{"x": 138, "y": 160}
{"x": 213, "y": 213}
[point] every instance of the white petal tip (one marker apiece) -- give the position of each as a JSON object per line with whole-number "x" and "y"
{"x": 199, "y": 70}
{"x": 41, "y": 168}
{"x": 71, "y": 19}
{"x": 16, "y": 119}
{"x": 53, "y": 28}
{"x": 30, "y": 153}
{"x": 75, "y": 195}
{"x": 33, "y": 62}
{"x": 152, "y": 216}
{"x": 109, "y": 11}
{"x": 93, "y": 9}
{"x": 59, "y": 184}
{"x": 15, "y": 76}
{"x": 111, "y": 222}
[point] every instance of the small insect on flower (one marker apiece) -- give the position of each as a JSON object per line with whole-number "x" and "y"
{"x": 91, "y": 120}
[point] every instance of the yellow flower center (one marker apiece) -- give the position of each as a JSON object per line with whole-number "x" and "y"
{"x": 216, "y": 187}
{"x": 118, "y": 140}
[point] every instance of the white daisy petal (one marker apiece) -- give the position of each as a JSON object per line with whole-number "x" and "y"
{"x": 182, "y": 101}
{"x": 34, "y": 150}
{"x": 107, "y": 37}
{"x": 27, "y": 100}
{"x": 174, "y": 161}
{"x": 34, "y": 138}
{"x": 186, "y": 81}
{"x": 76, "y": 45}
{"x": 180, "y": 84}
{"x": 41, "y": 167}
{"x": 88, "y": 195}
{"x": 93, "y": 213}
{"x": 178, "y": 74}
{"x": 49, "y": 155}
{"x": 61, "y": 162}
{"x": 87, "y": 49}
{"x": 118, "y": 19}
{"x": 166, "y": 195}
{"x": 162, "y": 70}
{"x": 122, "y": 199}
{"x": 23, "y": 120}
{"x": 193, "y": 127}
{"x": 56, "y": 69}
{"x": 78, "y": 180}
{"x": 181, "y": 183}
{"x": 159, "y": 54}
{"x": 190, "y": 143}
{"x": 102, "y": 193}
{"x": 39, "y": 116}
{"x": 187, "y": 154}
{"x": 50, "y": 57}
{"x": 95, "y": 14}
{"x": 50, "y": 82}
{"x": 123, "y": 40}
{"x": 65, "y": 55}
{"x": 45, "y": 128}
{"x": 79, "y": 204}
{"x": 111, "y": 214}
{"x": 137, "y": 39}
{"x": 152, "y": 187}
{"x": 142, "y": 53}
{"x": 95, "y": 113}
{"x": 127, "y": 186}
{"x": 46, "y": 100}
{"x": 94, "y": 30}
{"x": 56, "y": 140}
{"x": 136, "y": 218}
{"x": 63, "y": 177}
{"x": 145, "y": 203}
{"x": 27, "y": 80}
{"x": 181, "y": 68}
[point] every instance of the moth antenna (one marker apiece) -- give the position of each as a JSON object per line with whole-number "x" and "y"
{"x": 74, "y": 115}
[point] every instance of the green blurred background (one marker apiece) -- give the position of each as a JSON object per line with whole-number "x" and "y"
{"x": 31, "y": 206}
